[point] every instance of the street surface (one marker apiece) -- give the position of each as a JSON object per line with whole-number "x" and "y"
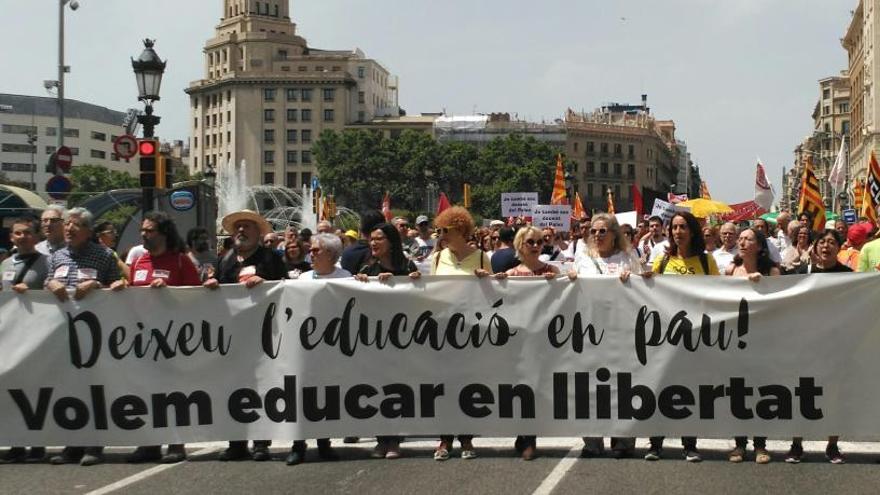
{"x": 497, "y": 471}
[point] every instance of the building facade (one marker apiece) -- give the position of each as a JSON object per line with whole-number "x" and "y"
{"x": 267, "y": 95}
{"x": 481, "y": 129}
{"x": 617, "y": 146}
{"x": 860, "y": 40}
{"x": 89, "y": 131}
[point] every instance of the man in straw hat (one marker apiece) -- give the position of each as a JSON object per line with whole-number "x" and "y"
{"x": 248, "y": 263}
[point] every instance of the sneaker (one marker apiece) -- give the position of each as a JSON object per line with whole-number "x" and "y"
{"x": 737, "y": 455}
{"x": 591, "y": 451}
{"x": 653, "y": 454}
{"x": 70, "y": 455}
{"x": 379, "y": 451}
{"x": 14, "y": 455}
{"x": 91, "y": 459}
{"x": 692, "y": 456}
{"x": 296, "y": 456}
{"x": 393, "y": 453}
{"x": 261, "y": 453}
{"x": 468, "y": 454}
{"x": 441, "y": 454}
{"x": 833, "y": 454}
{"x": 762, "y": 456}
{"x": 795, "y": 454}
{"x": 37, "y": 454}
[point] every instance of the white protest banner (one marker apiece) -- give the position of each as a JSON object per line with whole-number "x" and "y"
{"x": 556, "y": 216}
{"x": 310, "y": 359}
{"x": 518, "y": 204}
{"x": 627, "y": 217}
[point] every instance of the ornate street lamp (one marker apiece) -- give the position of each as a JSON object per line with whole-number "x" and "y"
{"x": 148, "y": 71}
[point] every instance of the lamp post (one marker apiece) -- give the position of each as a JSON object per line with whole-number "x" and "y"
{"x": 62, "y": 69}
{"x": 148, "y": 70}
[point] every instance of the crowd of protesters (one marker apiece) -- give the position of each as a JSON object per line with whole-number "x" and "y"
{"x": 67, "y": 254}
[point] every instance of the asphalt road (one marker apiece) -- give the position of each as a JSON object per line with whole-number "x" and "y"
{"x": 497, "y": 471}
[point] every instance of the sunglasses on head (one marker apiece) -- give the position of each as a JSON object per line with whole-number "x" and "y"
{"x": 535, "y": 242}
{"x": 598, "y": 231}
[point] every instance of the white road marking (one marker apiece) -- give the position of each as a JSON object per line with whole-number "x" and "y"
{"x": 562, "y": 467}
{"x": 124, "y": 482}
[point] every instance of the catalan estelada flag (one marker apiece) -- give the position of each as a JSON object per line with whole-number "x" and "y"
{"x": 558, "y": 197}
{"x": 859, "y": 196}
{"x": 872, "y": 190}
{"x": 811, "y": 197}
{"x": 704, "y": 190}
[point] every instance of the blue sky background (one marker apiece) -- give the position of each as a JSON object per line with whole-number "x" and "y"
{"x": 739, "y": 77}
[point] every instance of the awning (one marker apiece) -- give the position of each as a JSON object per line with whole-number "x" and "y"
{"x": 17, "y": 198}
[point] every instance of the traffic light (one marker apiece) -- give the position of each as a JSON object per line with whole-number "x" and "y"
{"x": 164, "y": 177}
{"x": 148, "y": 149}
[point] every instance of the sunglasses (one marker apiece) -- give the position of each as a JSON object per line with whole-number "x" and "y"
{"x": 442, "y": 230}
{"x": 598, "y": 231}
{"x": 535, "y": 242}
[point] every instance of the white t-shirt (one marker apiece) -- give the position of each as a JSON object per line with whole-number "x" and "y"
{"x": 615, "y": 264}
{"x": 337, "y": 273}
{"x": 723, "y": 258}
{"x": 134, "y": 253}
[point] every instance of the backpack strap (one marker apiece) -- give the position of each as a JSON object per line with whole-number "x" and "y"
{"x": 705, "y": 262}
{"x": 663, "y": 262}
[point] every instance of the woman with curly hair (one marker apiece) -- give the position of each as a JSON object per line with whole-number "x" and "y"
{"x": 454, "y": 227}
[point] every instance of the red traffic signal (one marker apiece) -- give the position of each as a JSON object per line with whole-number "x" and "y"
{"x": 147, "y": 148}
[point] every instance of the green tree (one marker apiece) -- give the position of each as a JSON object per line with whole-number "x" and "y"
{"x": 92, "y": 180}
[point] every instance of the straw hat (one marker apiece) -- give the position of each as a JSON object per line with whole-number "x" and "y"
{"x": 230, "y": 220}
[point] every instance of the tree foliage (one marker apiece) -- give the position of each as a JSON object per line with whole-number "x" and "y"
{"x": 360, "y": 166}
{"x": 92, "y": 180}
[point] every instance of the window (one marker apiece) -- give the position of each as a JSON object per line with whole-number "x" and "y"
{"x": 19, "y": 129}
{"x": 291, "y": 135}
{"x": 329, "y": 94}
{"x": 575, "y": 147}
{"x": 618, "y": 170}
{"x": 362, "y": 116}
{"x": 591, "y": 147}
{"x": 362, "y": 97}
{"x": 603, "y": 169}
{"x": 307, "y": 156}
{"x": 589, "y": 191}
{"x": 306, "y": 179}
{"x": 99, "y": 136}
{"x": 631, "y": 170}
{"x": 74, "y": 151}
{"x": 336, "y": 68}
{"x": 290, "y": 180}
{"x": 268, "y": 156}
{"x": 591, "y": 168}
{"x": 305, "y": 115}
{"x": 291, "y": 94}
{"x": 228, "y": 136}
{"x": 18, "y": 167}
{"x": 282, "y": 54}
{"x": 604, "y": 148}
{"x": 214, "y": 120}
{"x": 618, "y": 149}
{"x": 631, "y": 151}
{"x": 306, "y": 136}
{"x": 51, "y": 131}
{"x": 269, "y": 94}
{"x": 291, "y": 157}
{"x": 843, "y": 108}
{"x": 302, "y": 68}
{"x": 844, "y": 127}
{"x": 827, "y": 127}
{"x": 306, "y": 94}
{"x": 98, "y": 154}
{"x": 826, "y": 110}
{"x": 50, "y": 150}
{"x": 195, "y": 122}
{"x": 268, "y": 177}
{"x": 269, "y": 115}
{"x": 195, "y": 142}
{"x": 826, "y": 93}
{"x": 361, "y": 71}
{"x": 291, "y": 115}
{"x": 71, "y": 133}
{"x": 19, "y": 148}
{"x": 228, "y": 116}
{"x": 269, "y": 136}
{"x": 329, "y": 115}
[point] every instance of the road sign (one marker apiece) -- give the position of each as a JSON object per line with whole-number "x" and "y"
{"x": 125, "y": 146}
{"x": 64, "y": 159}
{"x": 58, "y": 187}
{"x": 849, "y": 216}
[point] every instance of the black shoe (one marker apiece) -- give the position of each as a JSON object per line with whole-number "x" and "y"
{"x": 295, "y": 457}
{"x": 92, "y": 457}
{"x": 37, "y": 454}
{"x": 235, "y": 453}
{"x": 152, "y": 453}
{"x": 261, "y": 453}
{"x": 70, "y": 455}
{"x": 14, "y": 455}
{"x": 351, "y": 439}
{"x": 520, "y": 444}
{"x": 176, "y": 453}
{"x": 326, "y": 453}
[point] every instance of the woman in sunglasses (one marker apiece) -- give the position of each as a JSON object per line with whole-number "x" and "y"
{"x": 608, "y": 253}
{"x": 454, "y": 226}
{"x": 528, "y": 244}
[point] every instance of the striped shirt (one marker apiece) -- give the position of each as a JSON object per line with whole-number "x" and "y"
{"x": 92, "y": 262}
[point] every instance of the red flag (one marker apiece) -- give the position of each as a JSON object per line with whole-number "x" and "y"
{"x": 743, "y": 211}
{"x": 443, "y": 203}
{"x": 386, "y": 207}
{"x": 638, "y": 203}
{"x": 559, "y": 197}
{"x": 578, "y": 212}
{"x": 676, "y": 198}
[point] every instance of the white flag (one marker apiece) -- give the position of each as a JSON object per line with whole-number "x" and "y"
{"x": 763, "y": 188}
{"x": 837, "y": 176}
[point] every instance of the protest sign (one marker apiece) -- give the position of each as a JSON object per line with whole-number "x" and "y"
{"x": 518, "y": 204}
{"x": 313, "y": 359}
{"x": 556, "y": 216}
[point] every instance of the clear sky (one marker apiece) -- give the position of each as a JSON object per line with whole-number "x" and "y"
{"x": 739, "y": 77}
